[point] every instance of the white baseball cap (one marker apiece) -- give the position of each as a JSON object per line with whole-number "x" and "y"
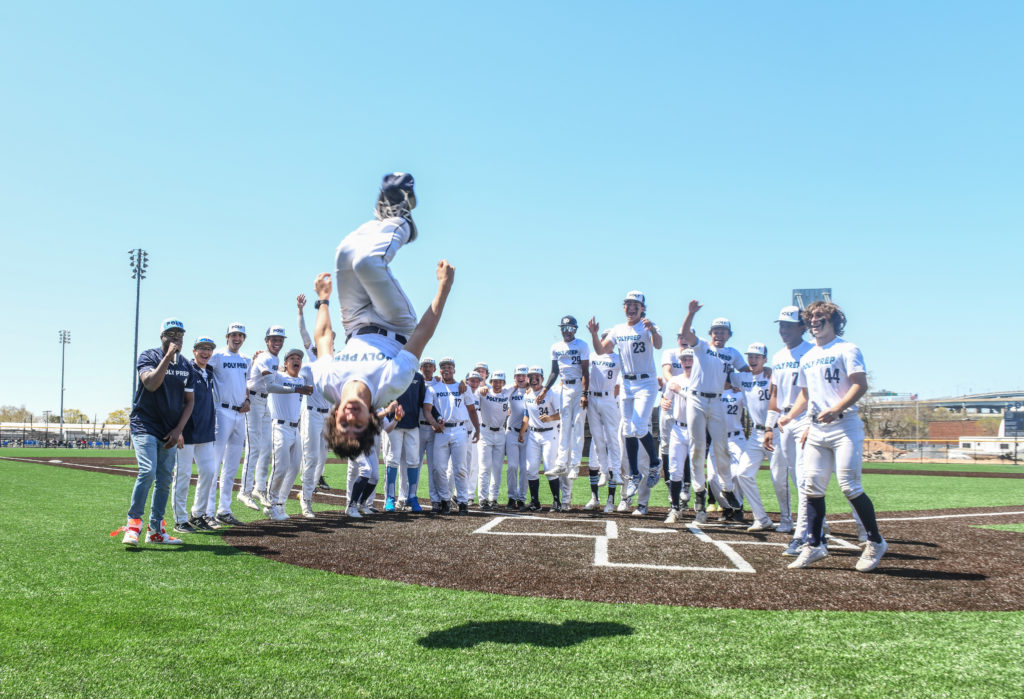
{"x": 721, "y": 323}
{"x": 789, "y": 314}
{"x": 535, "y": 370}
{"x": 474, "y": 375}
{"x": 295, "y": 351}
{"x": 521, "y": 369}
{"x": 428, "y": 360}
{"x": 757, "y": 348}
{"x": 688, "y": 352}
{"x": 275, "y": 331}
{"x": 498, "y": 376}
{"x": 171, "y": 324}
{"x": 236, "y": 328}
{"x": 635, "y": 295}
{"x": 481, "y": 365}
{"x": 446, "y": 360}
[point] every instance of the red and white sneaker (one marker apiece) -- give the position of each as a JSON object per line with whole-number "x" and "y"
{"x": 160, "y": 537}
{"x": 132, "y": 531}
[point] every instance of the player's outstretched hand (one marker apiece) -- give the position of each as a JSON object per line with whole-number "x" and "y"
{"x": 445, "y": 273}
{"x": 592, "y": 325}
{"x": 323, "y": 286}
{"x": 694, "y": 306}
{"x": 300, "y": 301}
{"x": 768, "y": 438}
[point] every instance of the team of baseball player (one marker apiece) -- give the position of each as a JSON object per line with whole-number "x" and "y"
{"x": 368, "y": 398}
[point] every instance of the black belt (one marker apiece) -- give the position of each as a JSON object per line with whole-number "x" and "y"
{"x": 424, "y": 423}
{"x": 542, "y": 429}
{"x": 569, "y": 381}
{"x": 705, "y": 395}
{"x": 290, "y": 424}
{"x": 455, "y": 424}
{"x": 492, "y": 429}
{"x": 230, "y": 407}
{"x": 319, "y": 410}
{"x": 761, "y": 427}
{"x": 634, "y": 377}
{"x": 814, "y": 418}
{"x": 254, "y": 393}
{"x": 598, "y": 394}
{"x": 377, "y": 330}
{"x": 681, "y": 424}
{"x": 733, "y": 434}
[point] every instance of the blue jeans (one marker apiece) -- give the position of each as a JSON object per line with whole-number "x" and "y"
{"x": 155, "y": 462}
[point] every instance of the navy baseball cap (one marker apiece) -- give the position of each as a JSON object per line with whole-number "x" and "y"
{"x": 396, "y": 183}
{"x": 568, "y": 320}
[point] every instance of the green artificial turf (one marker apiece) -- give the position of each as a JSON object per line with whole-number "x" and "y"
{"x": 1018, "y": 527}
{"x": 82, "y": 616}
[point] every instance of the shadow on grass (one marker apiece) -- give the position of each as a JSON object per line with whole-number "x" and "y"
{"x": 533, "y": 633}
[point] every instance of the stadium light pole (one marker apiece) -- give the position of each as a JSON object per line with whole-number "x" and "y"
{"x": 64, "y": 337}
{"x": 139, "y": 261}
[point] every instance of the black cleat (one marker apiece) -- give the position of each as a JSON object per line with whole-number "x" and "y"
{"x": 435, "y": 506}
{"x": 184, "y": 528}
{"x": 199, "y": 524}
{"x": 229, "y": 518}
{"x": 463, "y": 509}
{"x": 446, "y": 507}
{"x": 512, "y": 504}
{"x": 322, "y": 484}
{"x": 534, "y": 506}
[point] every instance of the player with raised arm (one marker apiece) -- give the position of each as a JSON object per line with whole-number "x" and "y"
{"x": 636, "y": 340}
{"x": 832, "y": 378}
{"x": 713, "y": 362}
{"x": 265, "y": 378}
{"x": 371, "y": 371}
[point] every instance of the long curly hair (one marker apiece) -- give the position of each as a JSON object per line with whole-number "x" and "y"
{"x": 835, "y": 315}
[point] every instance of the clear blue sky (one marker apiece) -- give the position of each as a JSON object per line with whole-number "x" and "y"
{"x": 564, "y": 154}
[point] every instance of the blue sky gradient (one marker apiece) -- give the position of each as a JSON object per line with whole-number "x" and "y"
{"x": 563, "y": 156}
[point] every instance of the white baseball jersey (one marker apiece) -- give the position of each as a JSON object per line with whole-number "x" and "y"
{"x": 733, "y": 402}
{"x": 757, "y": 392}
{"x": 230, "y": 374}
{"x": 257, "y": 381}
{"x": 785, "y": 369}
{"x": 369, "y": 360}
{"x": 570, "y": 356}
{"x": 670, "y": 358}
{"x": 494, "y": 408}
{"x": 448, "y": 401}
{"x": 678, "y": 401}
{"x": 314, "y": 399}
{"x": 604, "y": 373}
{"x": 825, "y": 373}
{"x": 516, "y": 407}
{"x": 287, "y": 406}
{"x": 712, "y": 366}
{"x": 549, "y": 406}
{"x": 635, "y": 348}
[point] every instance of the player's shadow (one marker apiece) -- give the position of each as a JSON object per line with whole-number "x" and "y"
{"x": 918, "y": 574}
{"x": 533, "y": 633}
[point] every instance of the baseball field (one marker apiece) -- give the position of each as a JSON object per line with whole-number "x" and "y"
{"x": 576, "y": 604}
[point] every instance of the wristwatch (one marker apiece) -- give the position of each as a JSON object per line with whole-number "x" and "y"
{"x": 320, "y": 302}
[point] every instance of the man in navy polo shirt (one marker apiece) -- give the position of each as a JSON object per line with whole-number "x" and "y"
{"x": 162, "y": 406}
